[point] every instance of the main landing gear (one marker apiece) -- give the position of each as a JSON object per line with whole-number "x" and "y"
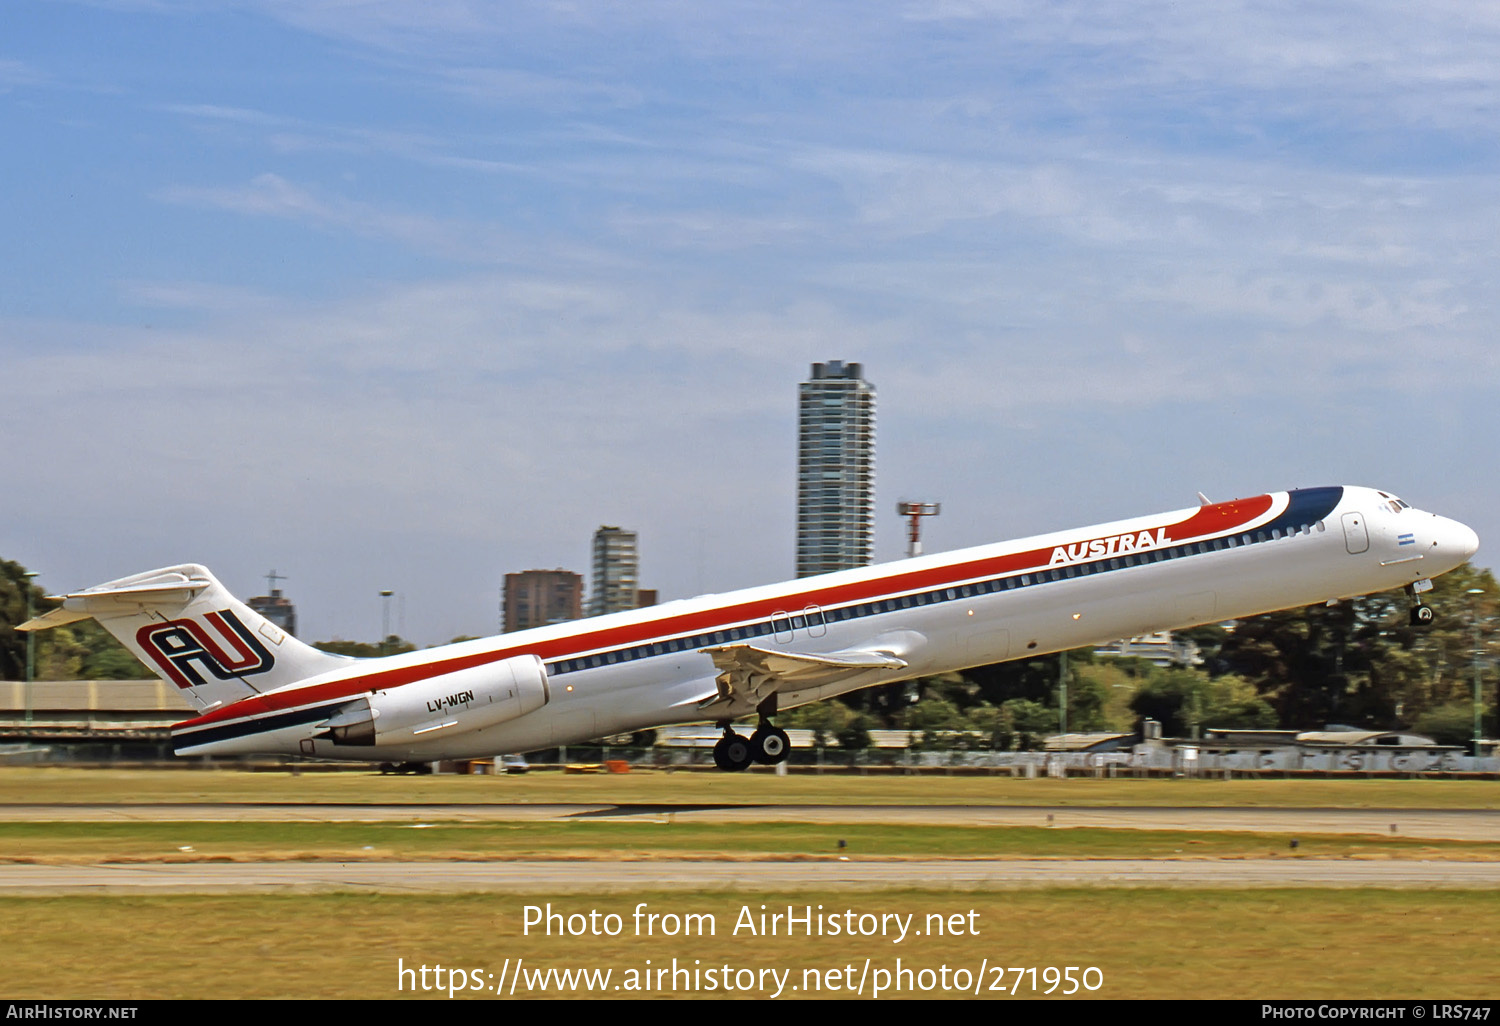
{"x": 733, "y": 752}
{"x": 1421, "y": 613}
{"x": 768, "y": 745}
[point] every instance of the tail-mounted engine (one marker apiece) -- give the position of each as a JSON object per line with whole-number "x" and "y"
{"x": 454, "y": 703}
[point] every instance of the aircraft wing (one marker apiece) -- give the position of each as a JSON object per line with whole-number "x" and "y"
{"x": 749, "y": 675}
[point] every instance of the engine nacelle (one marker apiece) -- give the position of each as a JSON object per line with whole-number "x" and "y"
{"x": 454, "y": 703}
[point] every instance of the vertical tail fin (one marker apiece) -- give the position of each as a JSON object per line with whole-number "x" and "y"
{"x": 185, "y": 625}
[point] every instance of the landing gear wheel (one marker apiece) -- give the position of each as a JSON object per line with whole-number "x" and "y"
{"x": 733, "y": 752}
{"x": 770, "y": 745}
{"x": 1421, "y": 616}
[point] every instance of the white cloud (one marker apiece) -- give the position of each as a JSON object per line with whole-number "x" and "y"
{"x": 270, "y": 195}
{"x": 20, "y": 74}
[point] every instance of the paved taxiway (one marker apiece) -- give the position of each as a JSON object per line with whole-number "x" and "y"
{"x": 762, "y": 875}
{"x": 1449, "y": 824}
{"x": 596, "y": 877}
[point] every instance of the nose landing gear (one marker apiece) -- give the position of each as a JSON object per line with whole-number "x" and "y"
{"x": 1421, "y": 613}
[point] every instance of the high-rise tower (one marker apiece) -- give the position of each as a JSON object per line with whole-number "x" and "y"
{"x": 616, "y": 571}
{"x": 835, "y": 469}
{"x": 537, "y": 597}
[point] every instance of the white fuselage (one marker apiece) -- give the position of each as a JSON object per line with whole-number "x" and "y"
{"x": 937, "y": 613}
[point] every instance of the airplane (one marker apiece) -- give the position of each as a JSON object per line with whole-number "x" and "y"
{"x": 718, "y": 658}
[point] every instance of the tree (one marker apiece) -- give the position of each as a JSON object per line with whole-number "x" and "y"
{"x": 1186, "y": 701}
{"x": 1087, "y": 699}
{"x": 60, "y": 655}
{"x": 824, "y": 719}
{"x": 932, "y": 720}
{"x": 14, "y": 586}
{"x": 1036, "y": 680}
{"x": 856, "y": 736}
{"x": 83, "y": 650}
{"x": 1027, "y": 722}
{"x": 107, "y": 659}
{"x": 1448, "y": 724}
{"x": 987, "y": 723}
{"x": 1361, "y": 662}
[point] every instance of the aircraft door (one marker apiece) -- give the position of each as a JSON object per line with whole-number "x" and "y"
{"x": 1356, "y": 535}
{"x": 781, "y": 625}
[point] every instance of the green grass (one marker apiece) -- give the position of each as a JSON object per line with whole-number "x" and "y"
{"x": 1249, "y": 944}
{"x": 70, "y": 842}
{"x": 83, "y": 786}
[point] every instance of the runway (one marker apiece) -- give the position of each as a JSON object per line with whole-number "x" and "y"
{"x": 745, "y": 877}
{"x": 1444, "y": 824}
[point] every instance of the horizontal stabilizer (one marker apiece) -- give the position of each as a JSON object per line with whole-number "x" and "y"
{"x": 158, "y": 589}
{"x": 56, "y": 618}
{"x": 749, "y": 675}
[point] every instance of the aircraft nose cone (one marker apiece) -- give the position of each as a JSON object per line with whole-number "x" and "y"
{"x": 1454, "y": 543}
{"x": 1465, "y": 538}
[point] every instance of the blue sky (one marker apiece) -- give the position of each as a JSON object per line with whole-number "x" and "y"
{"x": 412, "y": 294}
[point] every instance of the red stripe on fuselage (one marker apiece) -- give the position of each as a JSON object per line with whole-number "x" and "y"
{"x": 1219, "y": 518}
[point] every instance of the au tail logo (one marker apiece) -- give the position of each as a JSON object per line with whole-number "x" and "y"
{"x": 186, "y": 649}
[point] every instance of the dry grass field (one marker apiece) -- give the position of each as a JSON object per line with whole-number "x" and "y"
{"x": 1145, "y": 943}
{"x": 63, "y": 785}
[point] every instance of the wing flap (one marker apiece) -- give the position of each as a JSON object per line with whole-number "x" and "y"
{"x": 749, "y": 675}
